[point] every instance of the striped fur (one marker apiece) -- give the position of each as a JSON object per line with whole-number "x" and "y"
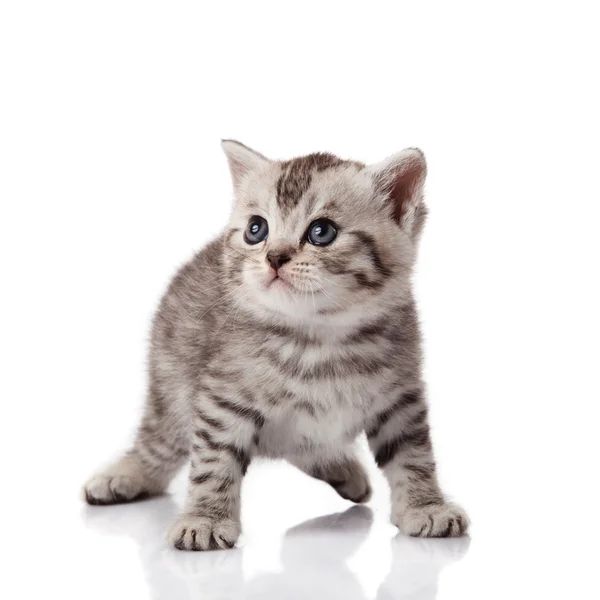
{"x": 244, "y": 363}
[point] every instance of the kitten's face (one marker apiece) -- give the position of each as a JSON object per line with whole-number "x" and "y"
{"x": 314, "y": 237}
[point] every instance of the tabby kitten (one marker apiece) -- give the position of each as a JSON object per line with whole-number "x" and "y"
{"x": 287, "y": 337}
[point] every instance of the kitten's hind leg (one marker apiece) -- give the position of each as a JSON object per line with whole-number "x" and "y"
{"x": 345, "y": 474}
{"x": 159, "y": 451}
{"x": 122, "y": 481}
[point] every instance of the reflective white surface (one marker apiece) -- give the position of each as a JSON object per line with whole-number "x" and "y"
{"x": 316, "y": 558}
{"x": 300, "y": 541}
{"x": 350, "y": 554}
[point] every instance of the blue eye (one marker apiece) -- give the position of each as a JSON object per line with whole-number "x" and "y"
{"x": 321, "y": 233}
{"x": 257, "y": 231}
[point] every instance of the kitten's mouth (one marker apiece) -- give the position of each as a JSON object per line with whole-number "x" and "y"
{"x": 278, "y": 282}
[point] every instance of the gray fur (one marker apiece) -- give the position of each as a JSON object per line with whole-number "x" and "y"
{"x": 245, "y": 365}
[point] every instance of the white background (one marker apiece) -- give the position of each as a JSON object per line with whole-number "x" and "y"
{"x": 111, "y": 176}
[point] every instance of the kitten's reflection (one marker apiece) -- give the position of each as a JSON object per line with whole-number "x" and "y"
{"x": 314, "y": 558}
{"x": 170, "y": 574}
{"x": 313, "y": 555}
{"x": 416, "y": 566}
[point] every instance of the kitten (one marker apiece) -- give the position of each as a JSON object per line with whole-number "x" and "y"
{"x": 287, "y": 337}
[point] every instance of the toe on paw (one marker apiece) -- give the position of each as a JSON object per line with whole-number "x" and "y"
{"x": 201, "y": 533}
{"x": 439, "y": 521}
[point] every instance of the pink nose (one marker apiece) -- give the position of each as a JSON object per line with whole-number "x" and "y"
{"x": 276, "y": 260}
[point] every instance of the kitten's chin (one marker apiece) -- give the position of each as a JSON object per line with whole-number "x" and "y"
{"x": 281, "y": 296}
{"x": 279, "y": 284}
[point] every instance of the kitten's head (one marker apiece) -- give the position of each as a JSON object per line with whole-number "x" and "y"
{"x": 318, "y": 236}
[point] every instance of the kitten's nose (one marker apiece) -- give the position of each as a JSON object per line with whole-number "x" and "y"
{"x": 276, "y": 260}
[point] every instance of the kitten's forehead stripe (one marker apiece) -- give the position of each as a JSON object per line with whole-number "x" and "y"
{"x": 296, "y": 176}
{"x": 310, "y": 206}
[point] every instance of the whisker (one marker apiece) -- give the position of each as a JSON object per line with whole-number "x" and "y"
{"x": 323, "y": 290}
{"x": 225, "y": 320}
{"x": 305, "y": 299}
{"x": 237, "y": 312}
{"x": 220, "y": 300}
{"x": 329, "y": 281}
{"x": 239, "y": 253}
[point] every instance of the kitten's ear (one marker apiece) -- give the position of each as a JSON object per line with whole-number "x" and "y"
{"x": 241, "y": 160}
{"x": 401, "y": 178}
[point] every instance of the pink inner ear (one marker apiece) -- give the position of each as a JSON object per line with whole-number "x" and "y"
{"x": 405, "y": 187}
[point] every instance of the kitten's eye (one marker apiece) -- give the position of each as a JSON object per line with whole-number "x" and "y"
{"x": 321, "y": 233}
{"x": 257, "y": 231}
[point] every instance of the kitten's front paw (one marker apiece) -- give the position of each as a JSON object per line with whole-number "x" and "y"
{"x": 201, "y": 533}
{"x": 438, "y": 520}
